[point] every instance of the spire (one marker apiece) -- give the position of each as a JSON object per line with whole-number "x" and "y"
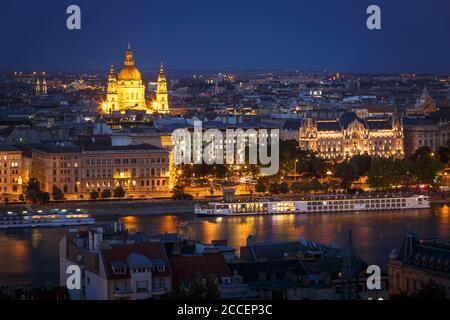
{"x": 44, "y": 87}
{"x": 112, "y": 74}
{"x": 349, "y": 269}
{"x": 38, "y": 87}
{"x": 129, "y": 61}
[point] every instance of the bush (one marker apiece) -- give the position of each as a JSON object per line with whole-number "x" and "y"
{"x": 284, "y": 187}
{"x": 106, "y": 194}
{"x": 94, "y": 195}
{"x": 119, "y": 192}
{"x": 178, "y": 193}
{"x": 261, "y": 187}
{"x": 57, "y": 194}
{"x": 274, "y": 188}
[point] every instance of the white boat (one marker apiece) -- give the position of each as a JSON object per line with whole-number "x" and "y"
{"x": 52, "y": 218}
{"x": 315, "y": 204}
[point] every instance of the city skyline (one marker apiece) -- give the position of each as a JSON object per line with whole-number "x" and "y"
{"x": 210, "y": 36}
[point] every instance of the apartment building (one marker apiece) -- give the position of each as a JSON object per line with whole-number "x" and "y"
{"x": 81, "y": 169}
{"x": 10, "y": 172}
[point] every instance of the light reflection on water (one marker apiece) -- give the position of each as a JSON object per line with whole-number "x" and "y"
{"x": 31, "y": 255}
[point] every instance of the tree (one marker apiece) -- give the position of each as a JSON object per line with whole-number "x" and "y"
{"x": 297, "y": 187}
{"x": 347, "y": 172}
{"x": 261, "y": 187}
{"x": 380, "y": 174}
{"x": 119, "y": 192}
{"x": 57, "y": 193}
{"x": 94, "y": 195}
{"x": 284, "y": 187}
{"x": 178, "y": 193}
{"x": 32, "y": 191}
{"x": 106, "y": 194}
{"x": 274, "y": 187}
{"x": 426, "y": 169}
{"x": 44, "y": 198}
{"x": 211, "y": 288}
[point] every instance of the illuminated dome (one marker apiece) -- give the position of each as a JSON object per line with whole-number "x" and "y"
{"x": 129, "y": 72}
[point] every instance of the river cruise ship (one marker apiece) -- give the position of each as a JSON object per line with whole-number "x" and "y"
{"x": 315, "y": 204}
{"x": 52, "y": 218}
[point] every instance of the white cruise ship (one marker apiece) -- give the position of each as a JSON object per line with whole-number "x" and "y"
{"x": 316, "y": 204}
{"x": 52, "y": 218}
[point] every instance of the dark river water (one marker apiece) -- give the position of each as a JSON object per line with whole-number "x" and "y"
{"x": 30, "y": 256}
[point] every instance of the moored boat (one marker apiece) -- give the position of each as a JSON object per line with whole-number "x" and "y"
{"x": 315, "y": 204}
{"x": 51, "y": 218}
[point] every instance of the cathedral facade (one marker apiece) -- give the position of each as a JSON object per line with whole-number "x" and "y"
{"x": 350, "y": 135}
{"x": 127, "y": 90}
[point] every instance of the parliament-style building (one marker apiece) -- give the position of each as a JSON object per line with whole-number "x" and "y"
{"x": 127, "y": 90}
{"x": 350, "y": 135}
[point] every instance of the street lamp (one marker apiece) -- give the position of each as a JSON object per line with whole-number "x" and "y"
{"x": 295, "y": 169}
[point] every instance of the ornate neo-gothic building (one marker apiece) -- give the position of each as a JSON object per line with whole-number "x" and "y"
{"x": 127, "y": 90}
{"x": 350, "y": 135}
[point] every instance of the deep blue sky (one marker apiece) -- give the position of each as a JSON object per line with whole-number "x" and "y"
{"x": 227, "y": 35}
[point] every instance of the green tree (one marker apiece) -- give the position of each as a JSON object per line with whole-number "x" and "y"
{"x": 32, "y": 191}
{"x": 44, "y": 198}
{"x": 106, "y": 194}
{"x": 119, "y": 192}
{"x": 426, "y": 169}
{"x": 57, "y": 193}
{"x": 284, "y": 187}
{"x": 347, "y": 172}
{"x": 178, "y": 193}
{"x": 94, "y": 195}
{"x": 261, "y": 187}
{"x": 297, "y": 187}
{"x": 274, "y": 187}
{"x": 211, "y": 288}
{"x": 379, "y": 174}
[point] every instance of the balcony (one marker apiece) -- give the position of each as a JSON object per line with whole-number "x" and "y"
{"x": 123, "y": 293}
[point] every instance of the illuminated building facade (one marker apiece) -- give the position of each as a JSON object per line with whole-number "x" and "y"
{"x": 10, "y": 172}
{"x": 350, "y": 135}
{"x": 126, "y": 91}
{"x": 79, "y": 170}
{"x": 417, "y": 263}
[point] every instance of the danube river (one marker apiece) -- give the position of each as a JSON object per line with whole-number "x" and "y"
{"x": 31, "y": 256}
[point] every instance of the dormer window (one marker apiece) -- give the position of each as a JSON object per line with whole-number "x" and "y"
{"x": 119, "y": 270}
{"x": 161, "y": 268}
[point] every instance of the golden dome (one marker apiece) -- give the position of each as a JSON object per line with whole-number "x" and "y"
{"x": 129, "y": 72}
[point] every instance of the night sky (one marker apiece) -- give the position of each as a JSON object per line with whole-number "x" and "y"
{"x": 231, "y": 35}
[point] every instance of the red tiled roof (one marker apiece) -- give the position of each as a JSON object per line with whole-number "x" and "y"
{"x": 152, "y": 250}
{"x": 186, "y": 268}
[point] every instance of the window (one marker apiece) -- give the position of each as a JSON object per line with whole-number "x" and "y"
{"x": 141, "y": 286}
{"x": 161, "y": 268}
